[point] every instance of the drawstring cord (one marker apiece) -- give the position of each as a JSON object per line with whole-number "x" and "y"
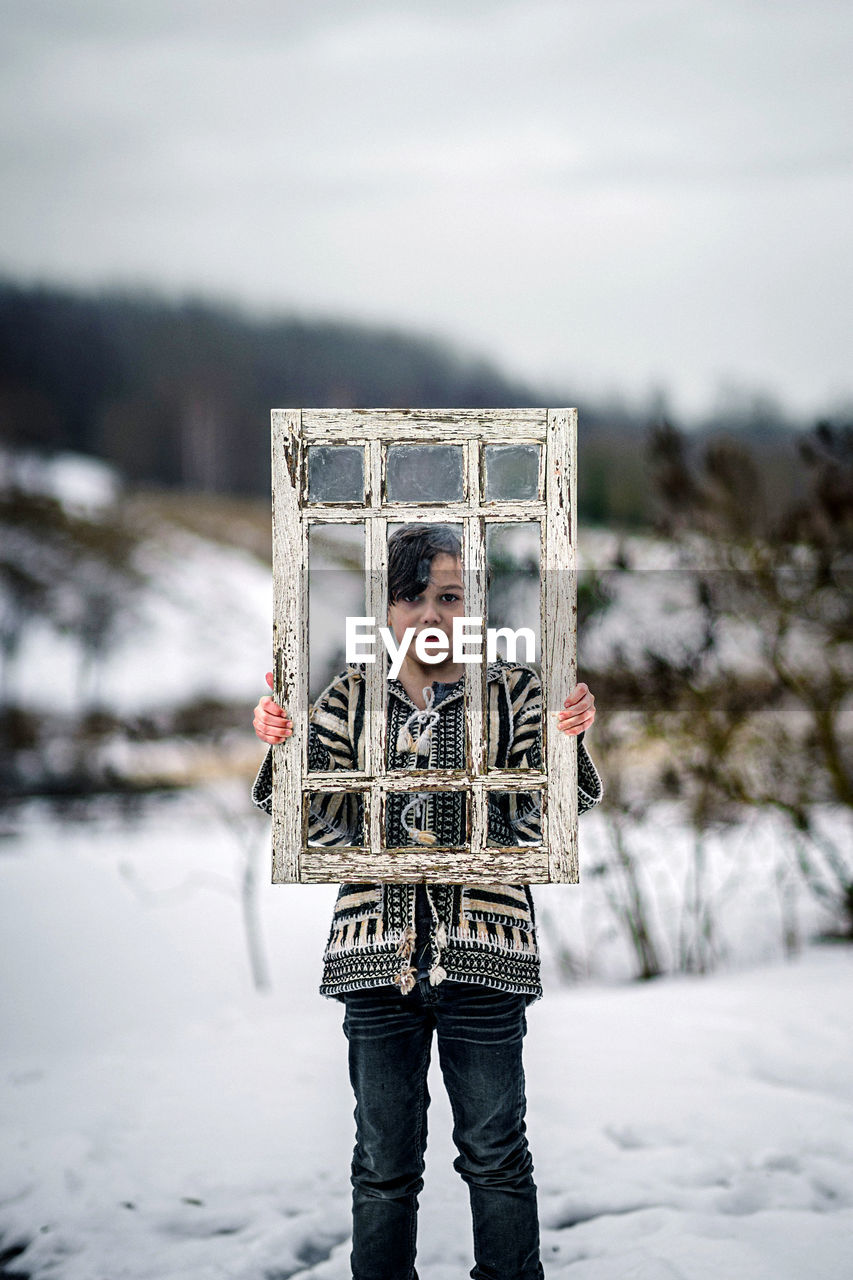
{"x": 423, "y": 721}
{"x": 420, "y": 722}
{"x": 437, "y": 973}
{"x": 417, "y": 809}
{"x": 408, "y": 973}
{"x": 415, "y": 738}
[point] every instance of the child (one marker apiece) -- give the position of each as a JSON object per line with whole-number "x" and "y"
{"x": 461, "y": 959}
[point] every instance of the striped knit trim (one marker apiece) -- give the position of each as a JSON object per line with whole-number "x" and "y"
{"x": 494, "y": 935}
{"x": 358, "y": 898}
{"x": 357, "y": 936}
{"x": 339, "y": 990}
{"x": 483, "y": 909}
{"x": 360, "y": 939}
{"x": 514, "y": 972}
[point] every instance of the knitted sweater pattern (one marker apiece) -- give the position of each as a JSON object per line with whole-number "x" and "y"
{"x": 483, "y": 934}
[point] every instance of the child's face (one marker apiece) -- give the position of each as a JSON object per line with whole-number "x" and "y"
{"x": 439, "y": 603}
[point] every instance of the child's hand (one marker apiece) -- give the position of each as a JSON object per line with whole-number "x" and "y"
{"x": 270, "y": 722}
{"x": 580, "y": 713}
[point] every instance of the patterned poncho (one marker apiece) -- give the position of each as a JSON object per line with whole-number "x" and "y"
{"x": 484, "y": 934}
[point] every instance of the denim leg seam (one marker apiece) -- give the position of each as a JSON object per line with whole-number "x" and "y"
{"x": 419, "y": 1132}
{"x": 474, "y": 1223}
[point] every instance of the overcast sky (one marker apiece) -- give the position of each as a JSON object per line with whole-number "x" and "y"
{"x": 601, "y": 194}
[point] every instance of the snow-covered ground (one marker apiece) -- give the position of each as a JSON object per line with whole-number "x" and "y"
{"x": 203, "y": 629}
{"x": 161, "y": 1118}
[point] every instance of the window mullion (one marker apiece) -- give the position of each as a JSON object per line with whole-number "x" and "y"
{"x": 558, "y": 643}
{"x": 474, "y": 571}
{"x": 376, "y": 562}
{"x": 290, "y": 682}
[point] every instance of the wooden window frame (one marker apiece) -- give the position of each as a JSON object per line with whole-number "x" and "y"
{"x": 555, "y": 431}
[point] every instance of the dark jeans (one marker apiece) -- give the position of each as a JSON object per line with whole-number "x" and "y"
{"x": 480, "y": 1032}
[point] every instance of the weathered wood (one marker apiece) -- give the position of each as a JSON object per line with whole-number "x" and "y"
{"x": 445, "y": 866}
{"x": 441, "y": 513}
{"x": 428, "y": 779}
{"x": 290, "y": 614}
{"x": 559, "y": 642}
{"x": 430, "y": 426}
{"x": 376, "y": 597}
{"x": 554, "y": 431}
{"x": 474, "y": 579}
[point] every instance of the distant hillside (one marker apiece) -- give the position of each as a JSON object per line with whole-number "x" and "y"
{"x": 178, "y": 394}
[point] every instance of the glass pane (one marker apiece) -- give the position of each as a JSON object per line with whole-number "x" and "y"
{"x": 335, "y": 473}
{"x": 335, "y": 817}
{"x": 336, "y": 590}
{"x": 424, "y": 473}
{"x": 514, "y": 817}
{"x": 425, "y": 709}
{"x": 512, "y": 471}
{"x": 427, "y": 819}
{"x": 514, "y": 734}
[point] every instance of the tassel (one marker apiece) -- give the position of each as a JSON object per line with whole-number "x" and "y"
{"x": 422, "y": 721}
{"x": 441, "y": 935}
{"x": 406, "y": 980}
{"x": 407, "y": 943}
{"x": 425, "y": 837}
{"x": 436, "y": 975}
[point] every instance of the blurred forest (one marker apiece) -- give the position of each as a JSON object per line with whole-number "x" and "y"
{"x": 744, "y": 715}
{"x": 178, "y": 394}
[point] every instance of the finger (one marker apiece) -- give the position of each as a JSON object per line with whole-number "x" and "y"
{"x": 269, "y": 679}
{"x": 577, "y": 704}
{"x": 580, "y": 691}
{"x": 275, "y": 724}
{"x": 270, "y": 707}
{"x": 574, "y": 724}
{"x": 268, "y": 734}
{"x": 576, "y": 714}
{"x": 270, "y": 715}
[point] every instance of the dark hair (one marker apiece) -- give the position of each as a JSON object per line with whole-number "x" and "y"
{"x": 410, "y": 554}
